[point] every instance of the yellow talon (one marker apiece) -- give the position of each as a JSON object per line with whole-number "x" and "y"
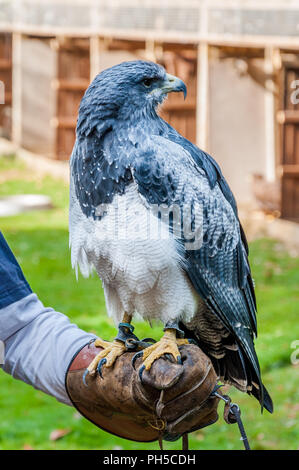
{"x": 111, "y": 351}
{"x": 181, "y": 341}
{"x": 168, "y": 344}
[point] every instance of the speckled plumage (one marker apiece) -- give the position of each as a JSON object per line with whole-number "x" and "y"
{"x": 127, "y": 160}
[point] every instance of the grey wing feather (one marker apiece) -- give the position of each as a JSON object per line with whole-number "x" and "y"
{"x": 221, "y": 275}
{"x": 219, "y": 270}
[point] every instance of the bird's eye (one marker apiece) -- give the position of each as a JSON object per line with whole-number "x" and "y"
{"x": 147, "y": 82}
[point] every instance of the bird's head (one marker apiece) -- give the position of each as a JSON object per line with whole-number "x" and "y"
{"x": 127, "y": 90}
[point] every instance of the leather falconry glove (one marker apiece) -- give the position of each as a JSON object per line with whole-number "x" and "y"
{"x": 167, "y": 402}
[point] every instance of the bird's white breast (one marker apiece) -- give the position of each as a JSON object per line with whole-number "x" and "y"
{"x": 135, "y": 256}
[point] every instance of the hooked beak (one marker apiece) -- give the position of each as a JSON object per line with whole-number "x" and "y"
{"x": 172, "y": 83}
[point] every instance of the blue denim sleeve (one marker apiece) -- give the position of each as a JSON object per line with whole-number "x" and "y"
{"x": 13, "y": 285}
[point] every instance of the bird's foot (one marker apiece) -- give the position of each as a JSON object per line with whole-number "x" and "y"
{"x": 111, "y": 351}
{"x": 124, "y": 341}
{"x": 168, "y": 346}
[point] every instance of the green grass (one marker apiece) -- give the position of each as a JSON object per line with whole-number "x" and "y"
{"x": 40, "y": 242}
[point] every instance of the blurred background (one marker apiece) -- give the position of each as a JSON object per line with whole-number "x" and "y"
{"x": 240, "y": 61}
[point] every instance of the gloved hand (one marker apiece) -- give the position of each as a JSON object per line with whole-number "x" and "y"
{"x": 168, "y": 401}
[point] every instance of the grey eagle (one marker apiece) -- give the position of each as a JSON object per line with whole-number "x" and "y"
{"x": 152, "y": 214}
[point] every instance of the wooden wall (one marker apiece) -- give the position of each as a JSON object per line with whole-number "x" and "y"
{"x": 37, "y": 105}
{"x": 73, "y": 72}
{"x": 6, "y": 79}
{"x": 289, "y": 140}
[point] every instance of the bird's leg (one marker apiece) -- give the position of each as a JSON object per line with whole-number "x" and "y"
{"x": 168, "y": 345}
{"x": 124, "y": 341}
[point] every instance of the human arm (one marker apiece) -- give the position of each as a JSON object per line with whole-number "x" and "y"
{"x": 39, "y": 342}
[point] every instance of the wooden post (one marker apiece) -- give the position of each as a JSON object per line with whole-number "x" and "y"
{"x": 202, "y": 95}
{"x": 150, "y": 52}
{"x": 97, "y": 45}
{"x": 270, "y": 159}
{"x": 17, "y": 88}
{"x": 94, "y": 51}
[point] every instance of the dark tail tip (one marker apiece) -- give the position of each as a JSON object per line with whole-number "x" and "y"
{"x": 268, "y": 404}
{"x": 264, "y": 398}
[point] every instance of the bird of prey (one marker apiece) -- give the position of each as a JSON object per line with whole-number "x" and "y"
{"x": 188, "y": 269}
